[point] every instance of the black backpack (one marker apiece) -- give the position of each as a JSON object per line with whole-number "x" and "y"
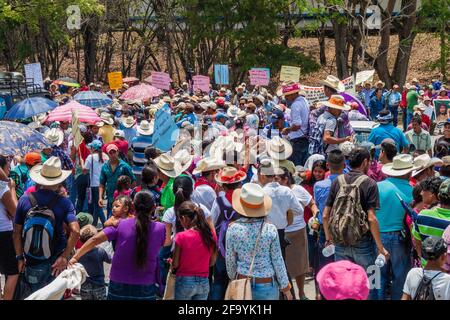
{"x": 425, "y": 289}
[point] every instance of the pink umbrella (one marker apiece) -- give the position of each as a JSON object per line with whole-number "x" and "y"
{"x": 64, "y": 113}
{"x": 130, "y": 79}
{"x": 141, "y": 92}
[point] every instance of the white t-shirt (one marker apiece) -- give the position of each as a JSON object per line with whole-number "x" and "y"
{"x": 6, "y": 223}
{"x": 304, "y": 198}
{"x": 441, "y": 284}
{"x": 170, "y": 217}
{"x": 96, "y": 166}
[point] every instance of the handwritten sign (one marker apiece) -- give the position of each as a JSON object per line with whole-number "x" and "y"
{"x": 221, "y": 74}
{"x": 349, "y": 84}
{"x": 161, "y": 80}
{"x": 314, "y": 94}
{"x": 201, "y": 83}
{"x": 364, "y": 76}
{"x": 166, "y": 132}
{"x": 115, "y": 80}
{"x": 34, "y": 71}
{"x": 259, "y": 76}
{"x": 290, "y": 73}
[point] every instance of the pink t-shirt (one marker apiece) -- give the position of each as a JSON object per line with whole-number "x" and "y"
{"x": 122, "y": 193}
{"x": 194, "y": 255}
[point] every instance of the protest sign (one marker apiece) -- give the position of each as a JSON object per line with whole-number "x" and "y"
{"x": 259, "y": 76}
{"x": 166, "y": 132}
{"x": 221, "y": 75}
{"x": 115, "y": 80}
{"x": 161, "y": 80}
{"x": 290, "y": 73}
{"x": 438, "y": 103}
{"x": 34, "y": 71}
{"x": 364, "y": 76}
{"x": 349, "y": 84}
{"x": 201, "y": 83}
{"x": 314, "y": 94}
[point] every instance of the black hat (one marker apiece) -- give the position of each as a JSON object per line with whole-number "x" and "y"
{"x": 433, "y": 247}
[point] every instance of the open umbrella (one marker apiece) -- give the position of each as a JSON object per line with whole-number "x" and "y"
{"x": 18, "y": 139}
{"x": 93, "y": 99}
{"x": 64, "y": 113}
{"x": 351, "y": 98}
{"x": 68, "y": 82}
{"x": 141, "y": 92}
{"x": 30, "y": 107}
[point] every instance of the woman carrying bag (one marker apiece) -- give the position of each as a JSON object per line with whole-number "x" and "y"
{"x": 253, "y": 253}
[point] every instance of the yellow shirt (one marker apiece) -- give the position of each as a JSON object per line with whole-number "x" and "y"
{"x": 107, "y": 133}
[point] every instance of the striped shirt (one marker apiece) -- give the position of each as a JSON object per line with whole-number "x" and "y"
{"x": 138, "y": 145}
{"x": 431, "y": 223}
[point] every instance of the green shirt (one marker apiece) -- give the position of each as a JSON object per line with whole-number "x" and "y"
{"x": 421, "y": 141}
{"x": 412, "y": 99}
{"x": 108, "y": 178}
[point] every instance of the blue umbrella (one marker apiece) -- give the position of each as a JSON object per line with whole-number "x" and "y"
{"x": 19, "y": 139}
{"x": 30, "y": 107}
{"x": 93, "y": 99}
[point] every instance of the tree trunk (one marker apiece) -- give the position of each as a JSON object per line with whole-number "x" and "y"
{"x": 90, "y": 49}
{"x": 340, "y": 43}
{"x": 381, "y": 61}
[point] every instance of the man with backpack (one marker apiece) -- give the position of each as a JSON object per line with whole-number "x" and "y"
{"x": 429, "y": 283}
{"x": 349, "y": 218}
{"x": 40, "y": 241}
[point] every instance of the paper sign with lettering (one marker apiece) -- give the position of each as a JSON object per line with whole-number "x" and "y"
{"x": 290, "y": 73}
{"x": 364, "y": 76}
{"x": 259, "y": 76}
{"x": 201, "y": 83}
{"x": 34, "y": 71}
{"x": 166, "y": 132}
{"x": 161, "y": 80}
{"x": 349, "y": 84}
{"x": 115, "y": 80}
{"x": 221, "y": 74}
{"x": 314, "y": 94}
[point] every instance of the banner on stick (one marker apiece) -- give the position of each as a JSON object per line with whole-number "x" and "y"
{"x": 201, "y": 83}
{"x": 259, "y": 76}
{"x": 161, "y": 80}
{"x": 34, "y": 71}
{"x": 290, "y": 73}
{"x": 115, "y": 80}
{"x": 166, "y": 132}
{"x": 221, "y": 74}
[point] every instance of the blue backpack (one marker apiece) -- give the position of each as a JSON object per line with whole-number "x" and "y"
{"x": 39, "y": 231}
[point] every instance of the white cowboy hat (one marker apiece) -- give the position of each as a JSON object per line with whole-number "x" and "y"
{"x": 423, "y": 162}
{"x": 380, "y": 82}
{"x": 251, "y": 201}
{"x": 49, "y": 173}
{"x": 289, "y": 165}
{"x": 106, "y": 118}
{"x": 235, "y": 112}
{"x": 145, "y": 128}
{"x": 128, "y": 122}
{"x": 54, "y": 136}
{"x": 333, "y": 82}
{"x": 116, "y": 106}
{"x": 184, "y": 158}
{"x": 168, "y": 165}
{"x": 270, "y": 167}
{"x": 336, "y": 102}
{"x": 208, "y": 164}
{"x": 279, "y": 148}
{"x": 401, "y": 165}
{"x": 230, "y": 175}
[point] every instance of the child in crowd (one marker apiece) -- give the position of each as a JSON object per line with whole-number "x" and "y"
{"x": 123, "y": 187}
{"x": 94, "y": 287}
{"x": 122, "y": 208}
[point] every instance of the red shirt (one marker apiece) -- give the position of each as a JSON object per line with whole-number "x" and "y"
{"x": 83, "y": 151}
{"x": 121, "y": 145}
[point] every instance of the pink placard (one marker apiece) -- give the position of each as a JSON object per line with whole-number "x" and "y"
{"x": 161, "y": 80}
{"x": 259, "y": 77}
{"x": 201, "y": 82}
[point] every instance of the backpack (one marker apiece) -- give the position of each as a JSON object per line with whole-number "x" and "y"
{"x": 39, "y": 231}
{"x": 228, "y": 213}
{"x": 348, "y": 221}
{"x": 425, "y": 288}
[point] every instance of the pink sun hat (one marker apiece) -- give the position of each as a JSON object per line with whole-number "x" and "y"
{"x": 343, "y": 280}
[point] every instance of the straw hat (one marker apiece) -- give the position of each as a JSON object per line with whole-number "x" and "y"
{"x": 336, "y": 102}
{"x": 184, "y": 158}
{"x": 128, "y": 122}
{"x": 401, "y": 165}
{"x": 54, "y": 137}
{"x": 268, "y": 167}
{"x": 209, "y": 164}
{"x": 333, "y": 82}
{"x": 424, "y": 161}
{"x": 168, "y": 165}
{"x": 49, "y": 173}
{"x": 106, "y": 118}
{"x": 230, "y": 175}
{"x": 290, "y": 88}
{"x": 145, "y": 128}
{"x": 235, "y": 112}
{"x": 380, "y": 82}
{"x": 279, "y": 148}
{"x": 251, "y": 201}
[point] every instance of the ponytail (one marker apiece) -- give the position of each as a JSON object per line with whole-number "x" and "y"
{"x": 144, "y": 206}
{"x": 183, "y": 187}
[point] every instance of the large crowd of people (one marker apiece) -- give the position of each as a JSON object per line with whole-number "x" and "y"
{"x": 266, "y": 187}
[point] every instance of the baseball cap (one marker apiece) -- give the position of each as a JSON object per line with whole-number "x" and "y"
{"x": 95, "y": 144}
{"x": 367, "y": 145}
{"x": 343, "y": 280}
{"x": 119, "y": 133}
{"x": 32, "y": 158}
{"x": 387, "y": 140}
{"x": 84, "y": 219}
{"x": 111, "y": 147}
{"x": 277, "y": 114}
{"x": 433, "y": 247}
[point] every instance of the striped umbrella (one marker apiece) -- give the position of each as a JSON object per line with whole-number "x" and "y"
{"x": 64, "y": 113}
{"x": 93, "y": 99}
{"x": 141, "y": 92}
{"x": 68, "y": 82}
{"x": 30, "y": 107}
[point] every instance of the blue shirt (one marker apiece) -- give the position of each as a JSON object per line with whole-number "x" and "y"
{"x": 321, "y": 191}
{"x": 63, "y": 210}
{"x": 367, "y": 95}
{"x": 138, "y": 145}
{"x": 391, "y": 213}
{"x": 191, "y": 118}
{"x": 299, "y": 117}
{"x": 383, "y": 131}
{"x": 394, "y": 98}
{"x": 376, "y": 106}
{"x": 130, "y": 133}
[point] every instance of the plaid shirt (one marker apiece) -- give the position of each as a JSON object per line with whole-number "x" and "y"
{"x": 66, "y": 162}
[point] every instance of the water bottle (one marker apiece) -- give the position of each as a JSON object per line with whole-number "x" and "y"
{"x": 380, "y": 261}
{"x": 328, "y": 251}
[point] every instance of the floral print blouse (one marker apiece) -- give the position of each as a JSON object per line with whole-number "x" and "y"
{"x": 240, "y": 241}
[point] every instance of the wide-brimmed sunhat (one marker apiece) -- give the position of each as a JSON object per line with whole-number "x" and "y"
{"x": 209, "y": 164}
{"x": 230, "y": 175}
{"x": 107, "y": 118}
{"x": 145, "y": 128}
{"x": 49, "y": 173}
{"x": 235, "y": 112}
{"x": 279, "y": 148}
{"x": 168, "y": 165}
{"x": 55, "y": 136}
{"x": 336, "y": 102}
{"x": 251, "y": 201}
{"x": 184, "y": 158}
{"x": 424, "y": 161}
{"x": 400, "y": 166}
{"x": 128, "y": 122}
{"x": 334, "y": 83}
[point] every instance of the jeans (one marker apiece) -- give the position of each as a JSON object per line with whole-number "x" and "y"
{"x": 109, "y": 204}
{"x": 92, "y": 291}
{"x": 313, "y": 250}
{"x": 191, "y": 288}
{"x": 122, "y": 291}
{"x": 265, "y": 291}
{"x": 323, "y": 261}
{"x": 409, "y": 116}
{"x": 300, "y": 151}
{"x": 363, "y": 253}
{"x": 397, "y": 267}
{"x": 220, "y": 283}
{"x": 94, "y": 209}
{"x": 38, "y": 276}
{"x": 164, "y": 254}
{"x": 81, "y": 184}
{"x": 394, "y": 111}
